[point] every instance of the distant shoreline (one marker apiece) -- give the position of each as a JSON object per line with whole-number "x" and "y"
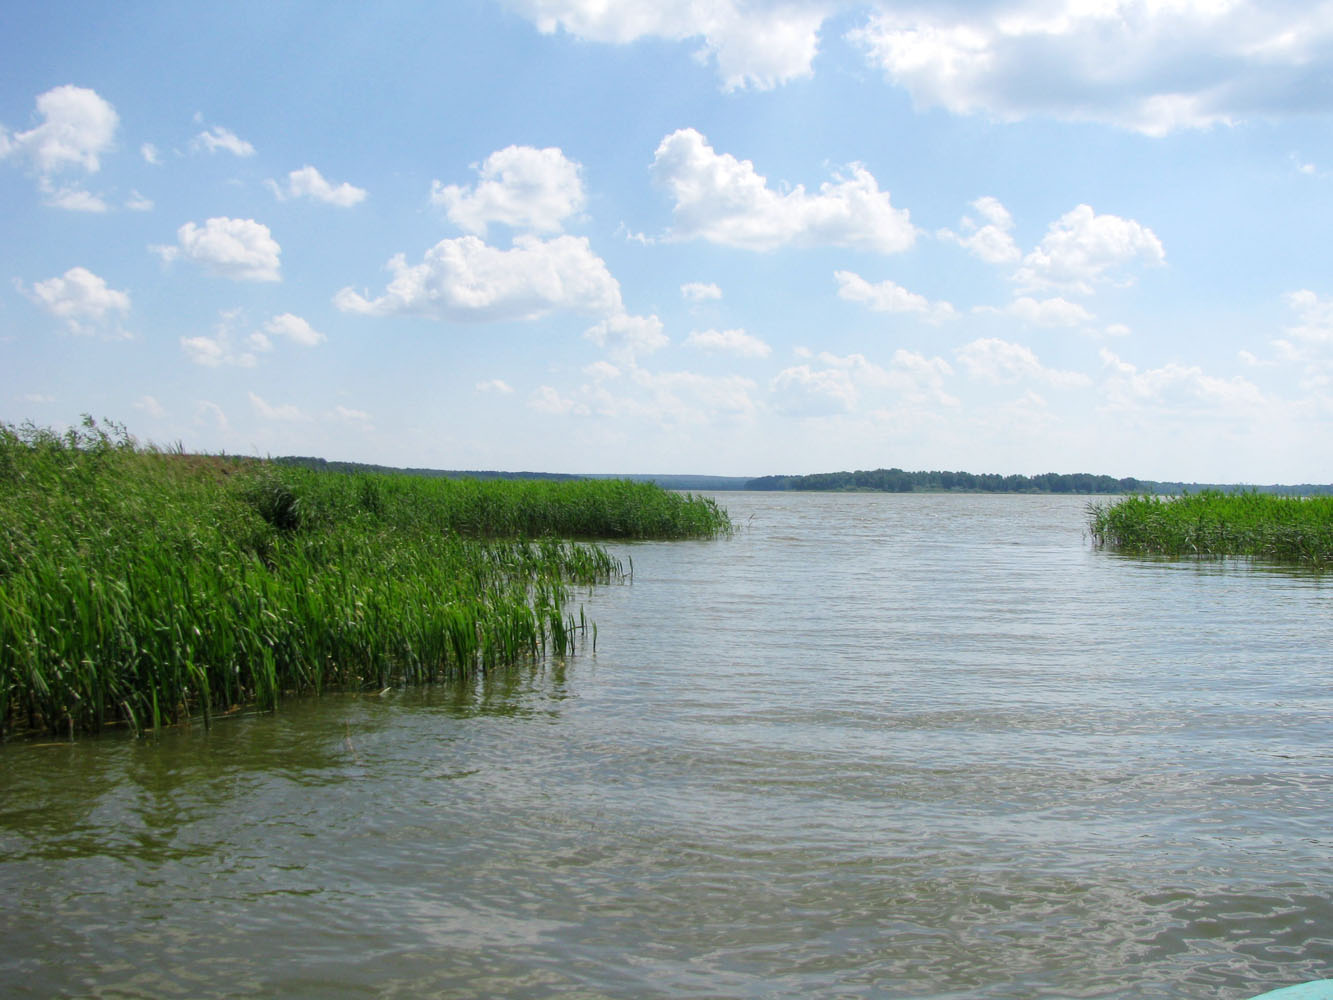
{"x": 863, "y": 481}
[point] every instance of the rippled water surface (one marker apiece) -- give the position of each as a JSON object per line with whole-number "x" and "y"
{"x": 873, "y": 746}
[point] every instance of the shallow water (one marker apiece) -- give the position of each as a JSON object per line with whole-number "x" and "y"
{"x": 873, "y": 746}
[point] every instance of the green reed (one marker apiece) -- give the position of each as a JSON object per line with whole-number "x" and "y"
{"x": 145, "y": 586}
{"x": 1212, "y": 524}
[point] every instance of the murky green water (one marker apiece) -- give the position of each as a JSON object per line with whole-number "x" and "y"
{"x": 874, "y": 746}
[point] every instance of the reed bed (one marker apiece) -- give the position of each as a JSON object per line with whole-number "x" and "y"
{"x": 148, "y": 587}
{"x": 1213, "y": 524}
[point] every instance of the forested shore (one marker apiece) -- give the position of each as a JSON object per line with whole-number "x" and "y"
{"x": 935, "y": 481}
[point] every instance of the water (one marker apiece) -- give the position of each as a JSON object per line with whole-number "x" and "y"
{"x": 873, "y": 746}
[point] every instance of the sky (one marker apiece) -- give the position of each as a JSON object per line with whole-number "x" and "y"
{"x": 731, "y": 237}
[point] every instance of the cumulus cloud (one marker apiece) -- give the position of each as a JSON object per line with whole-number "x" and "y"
{"x": 221, "y": 348}
{"x": 241, "y": 249}
{"x": 1056, "y": 312}
{"x": 837, "y": 387}
{"x": 805, "y": 391}
{"x": 661, "y": 399}
{"x": 1082, "y": 249}
{"x": 150, "y": 406}
{"x": 626, "y": 337}
{"x": 1153, "y": 67}
{"x": 723, "y": 200}
{"x": 351, "y": 416}
{"x": 218, "y": 139}
{"x": 994, "y": 360}
{"x": 206, "y": 411}
{"x": 71, "y": 198}
{"x": 1175, "y": 387}
{"x": 1312, "y": 334}
{"x": 990, "y": 239}
{"x": 227, "y": 347}
{"x": 465, "y": 279}
{"x": 495, "y": 385}
{"x": 150, "y": 154}
{"x": 519, "y": 186}
{"x": 546, "y": 399}
{"x": 684, "y": 398}
{"x": 736, "y": 342}
{"x": 284, "y": 412}
{"x": 699, "y": 291}
{"x": 77, "y": 127}
{"x": 754, "y": 44}
{"x": 310, "y": 183}
{"x": 888, "y": 296}
{"x": 295, "y": 329}
{"x": 83, "y": 302}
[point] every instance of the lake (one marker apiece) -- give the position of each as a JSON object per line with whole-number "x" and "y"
{"x": 911, "y": 746}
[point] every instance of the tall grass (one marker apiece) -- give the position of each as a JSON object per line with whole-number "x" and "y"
{"x": 147, "y": 587}
{"x": 1211, "y": 523}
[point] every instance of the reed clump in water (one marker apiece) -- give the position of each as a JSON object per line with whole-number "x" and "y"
{"x": 147, "y": 587}
{"x": 1214, "y": 524}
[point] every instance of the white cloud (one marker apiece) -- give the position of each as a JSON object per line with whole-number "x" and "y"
{"x": 888, "y": 296}
{"x": 1176, "y": 387}
{"x": 994, "y": 360}
{"x": 754, "y": 44}
{"x": 242, "y": 249}
{"x": 724, "y": 200}
{"x": 602, "y": 370}
{"x": 78, "y": 127}
{"x": 150, "y": 154}
{"x": 736, "y": 342}
{"x": 1314, "y": 327}
{"x": 205, "y": 410}
{"x": 519, "y": 186}
{"x": 83, "y": 301}
{"x": 1153, "y": 66}
{"x": 806, "y": 391}
{"x": 684, "y": 398}
{"x": 138, "y": 203}
{"x": 220, "y": 349}
{"x": 547, "y": 400}
{"x": 1049, "y": 312}
{"x": 699, "y": 291}
{"x": 219, "y": 139}
{"x": 310, "y": 183}
{"x": 992, "y": 239}
{"x": 286, "y": 412}
{"x": 1082, "y": 249}
{"x": 465, "y": 279}
{"x": 351, "y": 416}
{"x": 150, "y": 406}
{"x": 626, "y": 336}
{"x": 294, "y": 328}
{"x": 71, "y": 198}
{"x": 495, "y": 385}
{"x": 660, "y": 399}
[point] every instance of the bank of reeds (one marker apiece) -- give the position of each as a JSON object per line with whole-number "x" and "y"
{"x": 1214, "y": 524}
{"x": 147, "y": 587}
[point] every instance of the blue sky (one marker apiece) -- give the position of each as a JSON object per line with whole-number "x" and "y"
{"x": 693, "y": 236}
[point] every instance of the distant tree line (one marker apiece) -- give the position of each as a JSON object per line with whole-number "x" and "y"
{"x": 307, "y": 462}
{"x": 875, "y": 480}
{"x": 899, "y": 481}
